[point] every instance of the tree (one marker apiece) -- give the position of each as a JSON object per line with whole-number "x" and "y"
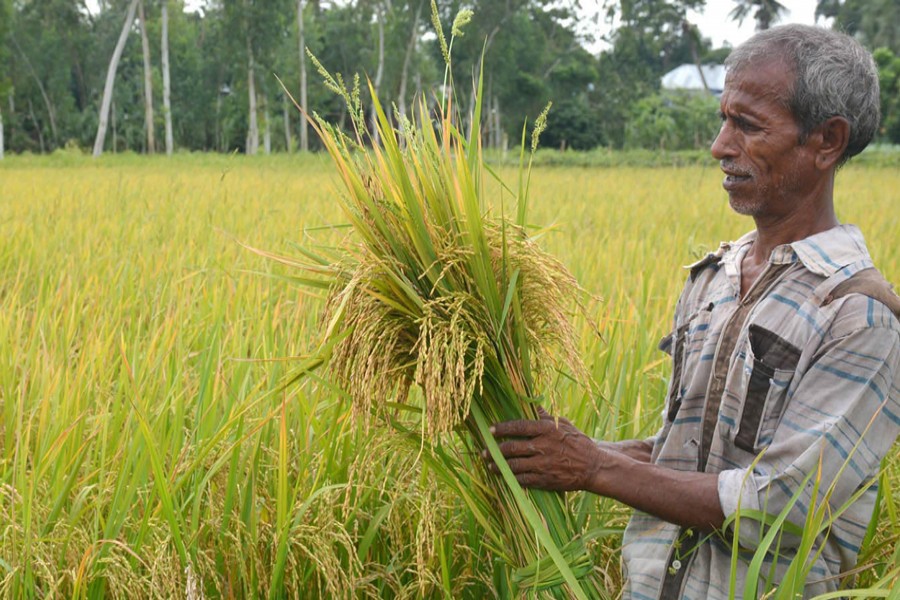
{"x": 167, "y": 86}
{"x": 876, "y": 23}
{"x": 765, "y": 12}
{"x": 652, "y": 39}
{"x": 889, "y": 80}
{"x": 381, "y": 9}
{"x": 110, "y": 78}
{"x": 304, "y": 85}
{"x": 148, "y": 81}
{"x": 51, "y": 111}
{"x": 221, "y": 62}
{"x": 252, "y": 125}
{"x": 254, "y": 30}
{"x": 408, "y": 55}
{"x": 530, "y": 52}
{"x": 5, "y": 18}
{"x": 673, "y": 120}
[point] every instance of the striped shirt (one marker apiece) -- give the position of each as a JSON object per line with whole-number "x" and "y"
{"x": 767, "y": 389}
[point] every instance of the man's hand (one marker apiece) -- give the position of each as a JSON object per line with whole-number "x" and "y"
{"x": 550, "y": 454}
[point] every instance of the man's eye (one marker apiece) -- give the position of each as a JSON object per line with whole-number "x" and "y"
{"x": 745, "y": 125}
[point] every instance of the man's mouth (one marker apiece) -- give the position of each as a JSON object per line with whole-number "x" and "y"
{"x": 731, "y": 179}
{"x": 734, "y": 177}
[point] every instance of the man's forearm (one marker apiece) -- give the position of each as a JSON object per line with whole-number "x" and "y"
{"x": 553, "y": 454}
{"x": 686, "y": 498}
{"x": 639, "y": 450}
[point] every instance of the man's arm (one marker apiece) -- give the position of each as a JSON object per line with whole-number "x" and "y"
{"x": 553, "y": 454}
{"x": 639, "y": 450}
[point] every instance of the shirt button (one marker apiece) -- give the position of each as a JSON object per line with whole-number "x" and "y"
{"x": 676, "y": 564}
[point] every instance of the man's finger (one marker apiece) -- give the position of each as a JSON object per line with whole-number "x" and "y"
{"x": 532, "y": 480}
{"x": 526, "y": 464}
{"x": 516, "y": 465}
{"x": 518, "y": 448}
{"x": 520, "y": 428}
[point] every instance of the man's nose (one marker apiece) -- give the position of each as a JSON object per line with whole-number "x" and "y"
{"x": 723, "y": 145}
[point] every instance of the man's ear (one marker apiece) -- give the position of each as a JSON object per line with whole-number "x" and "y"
{"x": 835, "y": 135}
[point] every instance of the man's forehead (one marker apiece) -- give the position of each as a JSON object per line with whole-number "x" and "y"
{"x": 761, "y": 68}
{"x": 770, "y": 79}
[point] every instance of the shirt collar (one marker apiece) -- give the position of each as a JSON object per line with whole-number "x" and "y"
{"x": 827, "y": 252}
{"x": 824, "y": 253}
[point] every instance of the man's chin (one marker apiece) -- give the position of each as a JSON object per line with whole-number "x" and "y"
{"x": 743, "y": 206}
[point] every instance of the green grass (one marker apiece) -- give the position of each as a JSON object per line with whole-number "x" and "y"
{"x": 148, "y": 446}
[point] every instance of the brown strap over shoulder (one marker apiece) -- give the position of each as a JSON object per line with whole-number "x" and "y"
{"x": 868, "y": 282}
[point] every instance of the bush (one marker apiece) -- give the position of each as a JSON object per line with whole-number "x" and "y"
{"x": 673, "y": 120}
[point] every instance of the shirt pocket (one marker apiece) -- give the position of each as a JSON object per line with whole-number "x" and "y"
{"x": 772, "y": 362}
{"x": 681, "y": 344}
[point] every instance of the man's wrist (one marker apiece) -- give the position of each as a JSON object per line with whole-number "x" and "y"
{"x": 610, "y": 469}
{"x": 640, "y": 450}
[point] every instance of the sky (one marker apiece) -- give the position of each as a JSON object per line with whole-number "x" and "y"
{"x": 714, "y": 23}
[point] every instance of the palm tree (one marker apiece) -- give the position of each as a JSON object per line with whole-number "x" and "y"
{"x": 765, "y": 12}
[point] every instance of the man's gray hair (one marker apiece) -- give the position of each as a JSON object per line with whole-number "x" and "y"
{"x": 833, "y": 76}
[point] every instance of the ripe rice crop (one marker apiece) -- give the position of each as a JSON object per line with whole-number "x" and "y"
{"x": 149, "y": 446}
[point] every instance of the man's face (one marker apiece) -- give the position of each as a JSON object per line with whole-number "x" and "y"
{"x": 767, "y": 172}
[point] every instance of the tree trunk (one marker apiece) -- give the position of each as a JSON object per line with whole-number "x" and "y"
{"x": 12, "y": 112}
{"x": 267, "y": 125}
{"x": 167, "y": 88}
{"x": 148, "y": 82}
{"x": 253, "y": 126}
{"x": 112, "y": 118}
{"x": 410, "y": 48}
{"x": 379, "y": 72}
{"x": 2, "y": 144}
{"x": 691, "y": 32}
{"x": 37, "y": 126}
{"x": 418, "y": 85}
{"x": 304, "y": 126}
{"x": 220, "y": 137}
{"x": 110, "y": 79}
{"x": 497, "y": 125}
{"x": 286, "y": 117}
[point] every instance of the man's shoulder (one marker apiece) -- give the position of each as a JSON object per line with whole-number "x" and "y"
{"x": 869, "y": 283}
{"x": 857, "y": 311}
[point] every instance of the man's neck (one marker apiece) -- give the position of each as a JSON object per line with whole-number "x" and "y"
{"x": 788, "y": 230}
{"x": 770, "y": 235}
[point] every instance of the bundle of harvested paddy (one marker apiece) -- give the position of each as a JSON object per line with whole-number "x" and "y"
{"x": 434, "y": 292}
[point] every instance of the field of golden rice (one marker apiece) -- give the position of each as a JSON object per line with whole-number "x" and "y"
{"x": 149, "y": 446}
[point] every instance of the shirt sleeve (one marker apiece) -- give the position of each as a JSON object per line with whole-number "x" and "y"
{"x": 839, "y": 423}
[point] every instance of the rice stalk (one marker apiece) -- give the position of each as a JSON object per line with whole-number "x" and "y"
{"x": 441, "y": 308}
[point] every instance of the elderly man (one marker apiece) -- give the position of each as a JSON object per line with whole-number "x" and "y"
{"x": 786, "y": 349}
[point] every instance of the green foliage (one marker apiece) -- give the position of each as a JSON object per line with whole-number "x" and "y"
{"x": 6, "y": 15}
{"x": 54, "y": 53}
{"x": 875, "y": 22}
{"x": 654, "y": 38}
{"x": 573, "y": 124}
{"x": 889, "y": 81}
{"x": 673, "y": 121}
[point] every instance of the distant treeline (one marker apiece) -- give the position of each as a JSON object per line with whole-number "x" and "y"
{"x": 164, "y": 75}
